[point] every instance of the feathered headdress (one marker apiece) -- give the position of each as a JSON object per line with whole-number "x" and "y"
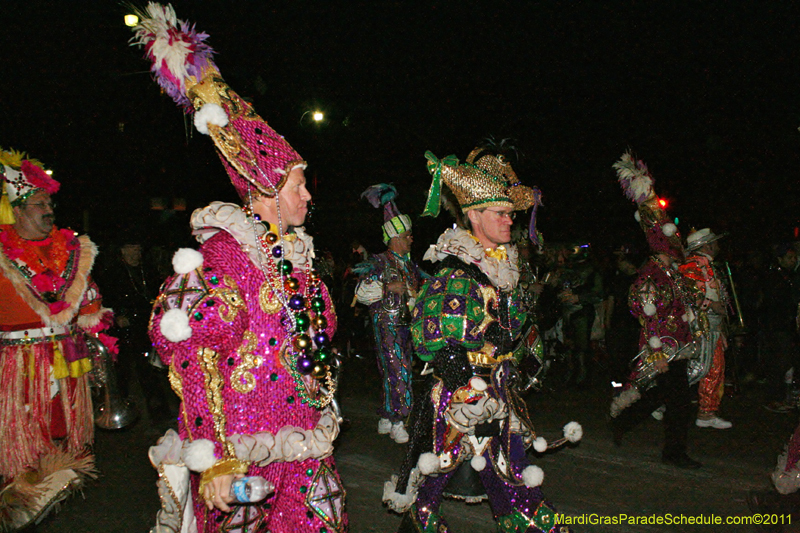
{"x": 395, "y": 223}
{"x": 22, "y": 177}
{"x": 637, "y": 184}
{"x": 255, "y": 156}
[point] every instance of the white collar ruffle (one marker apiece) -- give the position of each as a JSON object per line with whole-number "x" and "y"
{"x": 460, "y": 243}
{"x": 222, "y": 216}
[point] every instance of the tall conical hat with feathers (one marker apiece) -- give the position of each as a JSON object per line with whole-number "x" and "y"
{"x": 637, "y": 184}
{"x": 394, "y": 222}
{"x": 22, "y": 177}
{"x": 255, "y": 156}
{"x": 483, "y": 180}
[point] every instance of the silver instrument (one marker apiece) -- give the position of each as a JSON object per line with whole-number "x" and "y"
{"x": 646, "y": 373}
{"x": 113, "y": 411}
{"x": 392, "y": 304}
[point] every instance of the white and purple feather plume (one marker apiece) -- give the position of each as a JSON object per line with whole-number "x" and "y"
{"x": 636, "y": 181}
{"x": 175, "y": 49}
{"x": 382, "y": 194}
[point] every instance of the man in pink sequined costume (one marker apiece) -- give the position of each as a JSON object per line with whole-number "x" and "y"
{"x": 244, "y": 325}
{"x": 661, "y": 302}
{"x": 48, "y": 302}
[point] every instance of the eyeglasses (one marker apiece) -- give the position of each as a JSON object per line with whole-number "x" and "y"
{"x": 51, "y": 205}
{"x": 511, "y": 215}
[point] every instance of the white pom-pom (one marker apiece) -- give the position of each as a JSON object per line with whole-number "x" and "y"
{"x": 210, "y": 114}
{"x": 654, "y": 342}
{"x": 540, "y": 444}
{"x": 573, "y": 432}
{"x": 428, "y": 463}
{"x": 198, "y": 455}
{"x": 186, "y": 259}
{"x": 478, "y": 384}
{"x": 669, "y": 229}
{"x": 175, "y": 325}
{"x": 532, "y": 476}
{"x": 649, "y": 309}
{"x": 478, "y": 463}
{"x": 637, "y": 216}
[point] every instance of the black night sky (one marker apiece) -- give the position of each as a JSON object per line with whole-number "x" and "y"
{"x": 707, "y": 93}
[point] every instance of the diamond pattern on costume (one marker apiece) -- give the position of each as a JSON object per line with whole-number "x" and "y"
{"x": 454, "y": 304}
{"x": 184, "y": 291}
{"x": 326, "y": 497}
{"x": 250, "y": 518}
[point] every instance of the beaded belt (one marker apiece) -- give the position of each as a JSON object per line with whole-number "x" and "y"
{"x": 34, "y": 335}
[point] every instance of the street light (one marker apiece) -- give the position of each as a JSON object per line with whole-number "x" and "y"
{"x": 318, "y": 116}
{"x": 131, "y": 20}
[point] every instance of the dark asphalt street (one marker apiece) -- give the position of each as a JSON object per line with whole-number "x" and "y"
{"x": 593, "y": 476}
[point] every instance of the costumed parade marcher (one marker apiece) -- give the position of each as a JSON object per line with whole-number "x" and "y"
{"x": 388, "y": 284}
{"x": 245, "y": 323}
{"x": 708, "y": 370}
{"x": 661, "y": 302}
{"x": 49, "y": 305}
{"x": 468, "y": 327}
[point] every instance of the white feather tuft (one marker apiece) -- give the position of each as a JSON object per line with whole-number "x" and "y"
{"x": 669, "y": 229}
{"x": 428, "y": 463}
{"x": 478, "y": 384}
{"x": 654, "y": 342}
{"x": 210, "y": 114}
{"x": 175, "y": 325}
{"x": 198, "y": 455}
{"x": 649, "y": 309}
{"x": 478, "y": 463}
{"x": 636, "y": 181}
{"x": 540, "y": 444}
{"x": 573, "y": 432}
{"x": 186, "y": 259}
{"x": 532, "y": 476}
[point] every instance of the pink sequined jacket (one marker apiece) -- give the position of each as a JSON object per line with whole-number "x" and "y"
{"x": 222, "y": 332}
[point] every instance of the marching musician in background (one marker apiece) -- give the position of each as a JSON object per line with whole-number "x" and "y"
{"x": 661, "y": 302}
{"x": 712, "y": 299}
{"x": 49, "y": 302}
{"x": 388, "y": 284}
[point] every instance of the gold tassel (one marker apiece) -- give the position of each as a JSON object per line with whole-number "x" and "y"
{"x": 6, "y": 211}
{"x": 60, "y": 368}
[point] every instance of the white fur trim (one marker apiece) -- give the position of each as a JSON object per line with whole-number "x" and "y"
{"x": 478, "y": 384}
{"x": 394, "y": 498}
{"x": 186, "y": 259}
{"x": 210, "y": 114}
{"x": 478, "y": 463}
{"x": 637, "y": 217}
{"x": 199, "y": 455}
{"x": 540, "y": 444}
{"x": 175, "y": 325}
{"x": 532, "y": 476}
{"x": 649, "y": 309}
{"x": 669, "y": 229}
{"x": 290, "y": 443}
{"x": 654, "y": 342}
{"x": 428, "y": 463}
{"x": 573, "y": 432}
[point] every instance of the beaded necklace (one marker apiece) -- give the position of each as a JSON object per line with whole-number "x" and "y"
{"x": 303, "y": 354}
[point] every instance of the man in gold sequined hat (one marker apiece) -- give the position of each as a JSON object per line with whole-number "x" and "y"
{"x": 468, "y": 327}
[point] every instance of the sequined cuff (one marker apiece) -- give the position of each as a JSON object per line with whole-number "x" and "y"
{"x": 223, "y": 467}
{"x": 655, "y": 356}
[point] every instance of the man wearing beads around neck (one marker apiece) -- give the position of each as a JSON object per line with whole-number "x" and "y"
{"x": 48, "y": 305}
{"x": 388, "y": 284}
{"x": 244, "y": 325}
{"x": 470, "y": 428}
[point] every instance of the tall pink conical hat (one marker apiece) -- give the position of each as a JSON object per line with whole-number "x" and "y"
{"x": 637, "y": 183}
{"x": 255, "y": 156}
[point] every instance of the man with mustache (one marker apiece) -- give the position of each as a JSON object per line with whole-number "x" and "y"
{"x": 49, "y": 303}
